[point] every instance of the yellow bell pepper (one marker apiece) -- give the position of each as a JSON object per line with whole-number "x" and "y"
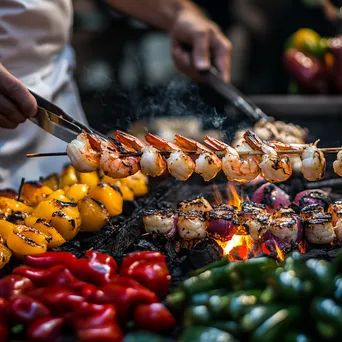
{"x": 58, "y": 195}
{"x": 94, "y": 215}
{"x": 64, "y": 216}
{"x": 9, "y": 206}
{"x": 34, "y": 192}
{"x": 27, "y": 241}
{"x": 45, "y": 228}
{"x": 89, "y": 178}
{"x": 127, "y": 193}
{"x": 68, "y": 176}
{"x": 6, "y": 228}
{"x": 5, "y": 256}
{"x": 138, "y": 183}
{"x": 77, "y": 191}
{"x": 109, "y": 195}
{"x": 52, "y": 181}
{"x": 9, "y": 193}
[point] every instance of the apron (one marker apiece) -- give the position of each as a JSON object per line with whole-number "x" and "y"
{"x": 51, "y": 79}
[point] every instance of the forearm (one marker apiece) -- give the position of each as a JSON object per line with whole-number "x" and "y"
{"x": 158, "y": 13}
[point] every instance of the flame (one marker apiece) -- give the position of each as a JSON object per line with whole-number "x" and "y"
{"x": 217, "y": 194}
{"x": 233, "y": 197}
{"x": 280, "y": 253}
{"x": 241, "y": 243}
{"x": 302, "y": 247}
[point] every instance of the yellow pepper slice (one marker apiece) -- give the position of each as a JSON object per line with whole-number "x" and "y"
{"x": 127, "y": 192}
{"x": 9, "y": 206}
{"x": 52, "y": 181}
{"x": 64, "y": 216}
{"x": 45, "y": 228}
{"x": 34, "y": 192}
{"x": 5, "y": 256}
{"x": 58, "y": 195}
{"x": 89, "y": 178}
{"x": 94, "y": 215}
{"x": 138, "y": 183}
{"x": 6, "y": 228}
{"x": 109, "y": 195}
{"x": 27, "y": 241}
{"x": 68, "y": 176}
{"x": 77, "y": 191}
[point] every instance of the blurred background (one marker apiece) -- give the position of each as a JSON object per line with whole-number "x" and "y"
{"x": 121, "y": 62}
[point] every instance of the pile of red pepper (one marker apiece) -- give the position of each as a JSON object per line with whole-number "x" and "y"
{"x": 55, "y": 293}
{"x": 314, "y": 63}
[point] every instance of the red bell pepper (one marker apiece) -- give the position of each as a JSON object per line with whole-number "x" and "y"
{"x": 13, "y": 285}
{"x": 3, "y": 310}
{"x": 149, "y": 269}
{"x": 154, "y": 317}
{"x": 102, "y": 314}
{"x": 110, "y": 332}
{"x": 124, "y": 293}
{"x": 57, "y": 298}
{"x": 23, "y": 309}
{"x": 309, "y": 72}
{"x": 95, "y": 267}
{"x": 3, "y": 332}
{"x": 50, "y": 259}
{"x": 44, "y": 277}
{"x": 46, "y": 329}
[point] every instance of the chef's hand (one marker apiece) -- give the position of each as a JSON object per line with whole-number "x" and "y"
{"x": 16, "y": 102}
{"x": 207, "y": 41}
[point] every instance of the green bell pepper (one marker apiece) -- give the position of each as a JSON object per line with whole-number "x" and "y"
{"x": 205, "y": 334}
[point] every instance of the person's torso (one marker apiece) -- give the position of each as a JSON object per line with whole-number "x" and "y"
{"x": 32, "y": 33}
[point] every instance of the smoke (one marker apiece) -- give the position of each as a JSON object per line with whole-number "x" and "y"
{"x": 179, "y": 98}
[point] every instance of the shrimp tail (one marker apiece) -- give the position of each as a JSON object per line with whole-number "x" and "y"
{"x": 253, "y": 140}
{"x": 129, "y": 140}
{"x": 215, "y": 143}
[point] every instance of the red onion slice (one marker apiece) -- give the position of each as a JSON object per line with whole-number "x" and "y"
{"x": 272, "y": 196}
{"x": 308, "y": 197}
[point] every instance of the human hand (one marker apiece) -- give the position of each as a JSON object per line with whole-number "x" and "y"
{"x": 207, "y": 41}
{"x": 16, "y": 102}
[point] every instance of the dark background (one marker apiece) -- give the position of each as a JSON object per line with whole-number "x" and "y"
{"x": 125, "y": 71}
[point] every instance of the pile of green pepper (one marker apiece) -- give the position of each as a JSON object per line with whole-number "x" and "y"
{"x": 260, "y": 300}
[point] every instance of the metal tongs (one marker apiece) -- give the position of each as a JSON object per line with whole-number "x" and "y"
{"x": 56, "y": 122}
{"x": 233, "y": 95}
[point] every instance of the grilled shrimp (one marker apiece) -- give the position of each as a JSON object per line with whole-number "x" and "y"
{"x": 160, "y": 221}
{"x": 192, "y": 225}
{"x": 236, "y": 169}
{"x": 199, "y": 204}
{"x": 313, "y": 163}
{"x": 336, "y": 215}
{"x": 114, "y": 164}
{"x": 319, "y": 229}
{"x": 273, "y": 167}
{"x": 82, "y": 154}
{"x": 208, "y": 164}
{"x": 337, "y": 164}
{"x": 179, "y": 164}
{"x": 152, "y": 163}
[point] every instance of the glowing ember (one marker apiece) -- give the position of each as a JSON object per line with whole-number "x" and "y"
{"x": 301, "y": 247}
{"x": 239, "y": 240}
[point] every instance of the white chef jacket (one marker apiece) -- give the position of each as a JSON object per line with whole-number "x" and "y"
{"x": 34, "y": 37}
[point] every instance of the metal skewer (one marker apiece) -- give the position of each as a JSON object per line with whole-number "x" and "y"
{"x": 219, "y": 153}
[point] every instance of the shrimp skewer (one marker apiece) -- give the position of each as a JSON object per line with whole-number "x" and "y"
{"x": 179, "y": 164}
{"x": 337, "y": 164}
{"x": 83, "y": 156}
{"x": 112, "y": 162}
{"x": 236, "y": 169}
{"x": 313, "y": 163}
{"x": 274, "y": 168}
{"x": 152, "y": 163}
{"x": 208, "y": 164}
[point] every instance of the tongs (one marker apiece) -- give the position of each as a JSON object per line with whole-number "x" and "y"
{"x": 233, "y": 95}
{"x": 56, "y": 122}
